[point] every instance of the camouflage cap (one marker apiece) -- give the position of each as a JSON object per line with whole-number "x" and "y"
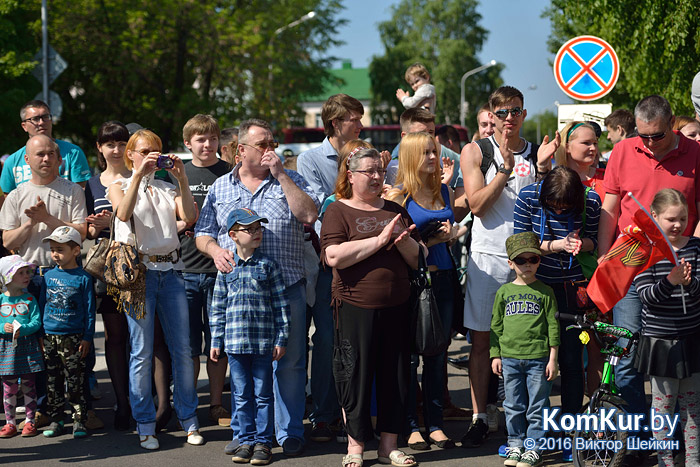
{"x": 524, "y": 242}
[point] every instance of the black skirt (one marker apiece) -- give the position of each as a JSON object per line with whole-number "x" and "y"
{"x": 669, "y": 358}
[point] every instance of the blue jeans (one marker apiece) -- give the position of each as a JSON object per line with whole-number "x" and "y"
{"x": 165, "y": 295}
{"x": 628, "y": 314}
{"x": 199, "y": 289}
{"x": 325, "y": 402}
{"x": 433, "y": 380}
{"x": 290, "y": 371}
{"x": 527, "y": 395}
{"x": 251, "y": 375}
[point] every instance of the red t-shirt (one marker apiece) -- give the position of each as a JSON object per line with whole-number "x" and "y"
{"x": 632, "y": 168}
{"x": 596, "y": 182}
{"x": 381, "y": 280}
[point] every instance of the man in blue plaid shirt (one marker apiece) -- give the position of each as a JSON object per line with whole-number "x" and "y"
{"x": 250, "y": 317}
{"x": 259, "y": 182}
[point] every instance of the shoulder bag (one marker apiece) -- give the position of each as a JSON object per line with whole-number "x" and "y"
{"x": 97, "y": 255}
{"x": 429, "y": 337}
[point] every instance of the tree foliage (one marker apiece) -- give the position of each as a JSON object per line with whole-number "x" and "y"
{"x": 656, "y": 41}
{"x": 19, "y": 27}
{"x": 445, "y": 36}
{"x": 159, "y": 63}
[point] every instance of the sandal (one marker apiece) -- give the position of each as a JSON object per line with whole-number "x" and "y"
{"x": 398, "y": 458}
{"x": 353, "y": 459}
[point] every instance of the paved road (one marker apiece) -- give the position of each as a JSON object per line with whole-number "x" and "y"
{"x": 113, "y": 448}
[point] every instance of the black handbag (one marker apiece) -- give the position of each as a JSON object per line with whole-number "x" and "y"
{"x": 429, "y": 337}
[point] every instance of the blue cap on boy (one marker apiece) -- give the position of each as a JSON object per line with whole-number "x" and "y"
{"x": 243, "y": 216}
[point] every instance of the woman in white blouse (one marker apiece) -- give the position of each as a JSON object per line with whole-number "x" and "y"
{"x": 156, "y": 206}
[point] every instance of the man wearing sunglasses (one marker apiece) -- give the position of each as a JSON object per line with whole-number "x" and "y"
{"x": 656, "y": 158}
{"x": 260, "y": 183}
{"x": 491, "y": 190}
{"x": 36, "y": 119}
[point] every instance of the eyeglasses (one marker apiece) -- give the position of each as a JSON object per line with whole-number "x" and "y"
{"x": 532, "y": 260}
{"x": 250, "y": 230}
{"x": 503, "y": 113}
{"x": 262, "y": 146}
{"x": 371, "y": 173}
{"x": 146, "y": 152}
{"x": 654, "y": 137}
{"x": 38, "y": 119}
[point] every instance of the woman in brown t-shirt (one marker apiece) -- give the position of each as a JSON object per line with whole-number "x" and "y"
{"x": 371, "y": 244}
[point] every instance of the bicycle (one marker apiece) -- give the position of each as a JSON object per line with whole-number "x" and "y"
{"x": 601, "y": 453}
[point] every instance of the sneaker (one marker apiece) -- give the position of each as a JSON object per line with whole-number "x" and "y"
{"x": 9, "y": 430}
{"x": 320, "y": 432}
{"x": 231, "y": 447}
{"x": 453, "y": 413}
{"x": 293, "y": 447}
{"x": 503, "y": 450}
{"x": 261, "y": 455}
{"x": 513, "y": 456}
{"x": 566, "y": 455}
{"x": 93, "y": 422}
{"x": 477, "y": 433}
{"x": 242, "y": 454}
{"x": 79, "y": 430}
{"x": 40, "y": 421}
{"x": 529, "y": 459}
{"x": 492, "y": 414}
{"x": 219, "y": 415}
{"x": 54, "y": 429}
{"x": 29, "y": 430}
{"x": 195, "y": 438}
{"x": 149, "y": 442}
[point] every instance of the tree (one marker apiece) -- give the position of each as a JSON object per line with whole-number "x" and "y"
{"x": 445, "y": 36}
{"x": 656, "y": 41}
{"x": 547, "y": 122}
{"x": 19, "y": 34}
{"x": 159, "y": 63}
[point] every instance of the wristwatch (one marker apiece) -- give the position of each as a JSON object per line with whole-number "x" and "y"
{"x": 502, "y": 169}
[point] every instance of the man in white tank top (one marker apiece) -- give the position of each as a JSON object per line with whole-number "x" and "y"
{"x": 491, "y": 195}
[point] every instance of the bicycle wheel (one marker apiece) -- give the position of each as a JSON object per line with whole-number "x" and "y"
{"x": 598, "y": 449}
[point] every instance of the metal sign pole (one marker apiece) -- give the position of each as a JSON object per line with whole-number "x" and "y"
{"x": 45, "y": 50}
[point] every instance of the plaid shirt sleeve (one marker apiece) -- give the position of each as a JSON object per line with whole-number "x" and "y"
{"x": 217, "y": 318}
{"x": 280, "y": 306}
{"x": 207, "y": 224}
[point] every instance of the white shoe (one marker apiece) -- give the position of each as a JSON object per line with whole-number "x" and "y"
{"x": 149, "y": 442}
{"x": 492, "y": 414}
{"x": 194, "y": 438}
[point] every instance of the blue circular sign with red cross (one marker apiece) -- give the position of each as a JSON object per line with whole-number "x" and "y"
{"x": 586, "y": 68}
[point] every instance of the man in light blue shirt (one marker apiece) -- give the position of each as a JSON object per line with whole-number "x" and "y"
{"x": 341, "y": 115}
{"x": 37, "y": 120}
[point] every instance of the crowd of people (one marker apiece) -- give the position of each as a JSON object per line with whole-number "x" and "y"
{"x": 240, "y": 254}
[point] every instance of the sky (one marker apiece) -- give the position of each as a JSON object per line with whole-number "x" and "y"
{"x": 517, "y": 38}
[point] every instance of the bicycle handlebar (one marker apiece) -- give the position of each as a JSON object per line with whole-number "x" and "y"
{"x": 580, "y": 321}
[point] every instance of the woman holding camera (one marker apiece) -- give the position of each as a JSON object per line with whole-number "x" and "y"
{"x": 151, "y": 208}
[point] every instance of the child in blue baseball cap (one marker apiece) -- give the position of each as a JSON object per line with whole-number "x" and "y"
{"x": 250, "y": 322}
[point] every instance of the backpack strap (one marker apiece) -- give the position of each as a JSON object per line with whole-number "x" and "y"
{"x": 487, "y": 157}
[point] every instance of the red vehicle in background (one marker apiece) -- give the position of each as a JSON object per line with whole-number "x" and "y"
{"x": 382, "y": 137}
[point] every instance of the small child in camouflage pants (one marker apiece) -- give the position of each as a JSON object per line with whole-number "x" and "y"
{"x": 69, "y": 324}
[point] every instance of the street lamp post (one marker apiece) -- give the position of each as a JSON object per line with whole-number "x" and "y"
{"x": 462, "y": 110}
{"x": 277, "y": 32}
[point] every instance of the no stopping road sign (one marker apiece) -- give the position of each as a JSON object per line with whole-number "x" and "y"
{"x": 586, "y": 68}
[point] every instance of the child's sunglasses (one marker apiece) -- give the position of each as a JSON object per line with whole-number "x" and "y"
{"x": 532, "y": 260}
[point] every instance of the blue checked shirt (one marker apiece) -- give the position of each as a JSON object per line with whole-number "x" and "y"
{"x": 249, "y": 312}
{"x": 283, "y": 237}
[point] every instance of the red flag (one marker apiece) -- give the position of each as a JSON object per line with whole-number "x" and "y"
{"x": 639, "y": 246}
